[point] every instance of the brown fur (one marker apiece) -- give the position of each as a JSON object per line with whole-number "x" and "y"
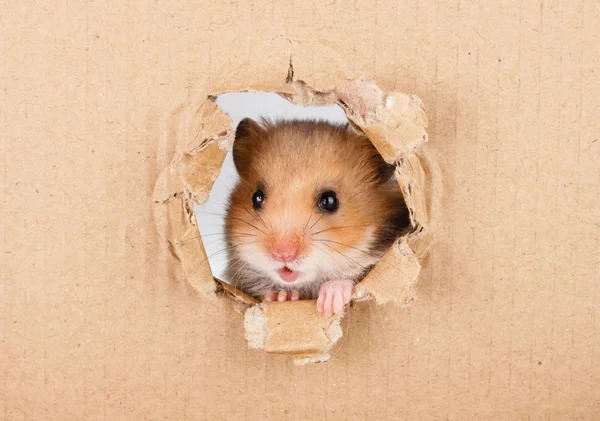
{"x": 293, "y": 162}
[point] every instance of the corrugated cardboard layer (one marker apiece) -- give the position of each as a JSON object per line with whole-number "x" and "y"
{"x": 98, "y": 321}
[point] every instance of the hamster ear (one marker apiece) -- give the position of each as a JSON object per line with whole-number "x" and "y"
{"x": 248, "y": 128}
{"x": 382, "y": 171}
{"x": 385, "y": 171}
{"x": 247, "y": 133}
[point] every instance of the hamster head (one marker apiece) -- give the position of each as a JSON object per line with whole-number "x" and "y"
{"x": 315, "y": 202}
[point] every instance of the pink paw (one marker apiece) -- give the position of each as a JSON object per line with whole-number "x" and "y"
{"x": 333, "y": 296}
{"x": 281, "y": 296}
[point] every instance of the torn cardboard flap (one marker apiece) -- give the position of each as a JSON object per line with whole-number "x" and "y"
{"x": 292, "y": 327}
{"x": 207, "y": 130}
{"x": 199, "y": 183}
{"x": 238, "y": 295}
{"x": 396, "y": 124}
{"x": 392, "y": 280}
{"x": 207, "y": 124}
{"x": 212, "y": 137}
{"x": 194, "y": 260}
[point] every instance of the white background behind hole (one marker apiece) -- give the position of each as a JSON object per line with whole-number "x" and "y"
{"x": 239, "y": 105}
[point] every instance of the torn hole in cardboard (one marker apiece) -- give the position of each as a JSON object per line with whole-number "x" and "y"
{"x": 395, "y": 123}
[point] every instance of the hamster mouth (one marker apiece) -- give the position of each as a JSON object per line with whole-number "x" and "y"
{"x": 287, "y": 274}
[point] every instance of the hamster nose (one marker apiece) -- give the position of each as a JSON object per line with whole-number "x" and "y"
{"x": 283, "y": 251}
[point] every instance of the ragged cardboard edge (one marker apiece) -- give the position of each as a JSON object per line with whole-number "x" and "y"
{"x": 200, "y": 141}
{"x": 292, "y": 328}
{"x": 396, "y": 123}
{"x": 199, "y": 183}
{"x": 213, "y": 136}
{"x": 392, "y": 279}
{"x": 238, "y": 295}
{"x": 174, "y": 225}
{"x": 193, "y": 258}
{"x": 209, "y": 132}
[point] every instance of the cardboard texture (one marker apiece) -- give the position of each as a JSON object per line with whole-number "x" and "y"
{"x": 100, "y": 318}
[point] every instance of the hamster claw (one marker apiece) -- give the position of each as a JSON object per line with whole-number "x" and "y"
{"x": 281, "y": 296}
{"x": 333, "y": 297}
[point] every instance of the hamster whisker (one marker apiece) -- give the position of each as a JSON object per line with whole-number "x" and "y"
{"x": 246, "y": 222}
{"x": 171, "y": 247}
{"x": 208, "y": 243}
{"x": 309, "y": 218}
{"x": 224, "y": 215}
{"x": 256, "y": 217}
{"x": 225, "y": 233}
{"x": 223, "y": 239}
{"x": 221, "y": 214}
{"x": 232, "y": 263}
{"x": 232, "y": 235}
{"x": 196, "y": 237}
{"x": 378, "y": 257}
{"x": 334, "y": 228}
{"x": 345, "y": 245}
{"x": 235, "y": 283}
{"x": 233, "y": 247}
{"x": 320, "y": 272}
{"x": 316, "y": 222}
{"x": 347, "y": 257}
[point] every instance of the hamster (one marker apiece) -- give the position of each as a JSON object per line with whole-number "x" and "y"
{"x": 315, "y": 208}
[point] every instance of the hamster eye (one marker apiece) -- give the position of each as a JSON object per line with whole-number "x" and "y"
{"x": 328, "y": 201}
{"x": 258, "y": 199}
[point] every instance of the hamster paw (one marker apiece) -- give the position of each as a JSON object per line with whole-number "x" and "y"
{"x": 333, "y": 296}
{"x": 281, "y": 296}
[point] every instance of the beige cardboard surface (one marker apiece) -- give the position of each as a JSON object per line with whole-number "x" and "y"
{"x": 98, "y": 318}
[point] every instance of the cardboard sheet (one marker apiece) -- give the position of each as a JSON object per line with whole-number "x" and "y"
{"x": 100, "y": 319}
